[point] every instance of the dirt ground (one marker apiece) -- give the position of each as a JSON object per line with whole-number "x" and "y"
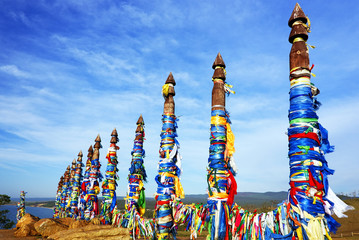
{"x": 350, "y": 226}
{"x": 6, "y": 234}
{"x": 9, "y": 234}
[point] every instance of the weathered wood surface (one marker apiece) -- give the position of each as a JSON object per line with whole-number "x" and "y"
{"x": 218, "y": 94}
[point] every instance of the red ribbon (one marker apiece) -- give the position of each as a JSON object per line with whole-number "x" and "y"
{"x": 310, "y": 135}
{"x": 232, "y": 189}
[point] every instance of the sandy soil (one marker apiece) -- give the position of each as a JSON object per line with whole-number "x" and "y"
{"x": 9, "y": 234}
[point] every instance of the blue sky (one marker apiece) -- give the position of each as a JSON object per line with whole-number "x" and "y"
{"x": 70, "y": 70}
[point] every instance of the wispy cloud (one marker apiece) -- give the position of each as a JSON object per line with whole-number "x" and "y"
{"x": 74, "y": 69}
{"x": 13, "y": 70}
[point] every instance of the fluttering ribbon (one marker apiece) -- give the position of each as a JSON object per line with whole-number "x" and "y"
{"x": 222, "y": 185}
{"x": 169, "y": 186}
{"x": 308, "y": 142}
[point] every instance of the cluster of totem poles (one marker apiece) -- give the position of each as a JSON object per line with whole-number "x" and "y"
{"x": 306, "y": 214}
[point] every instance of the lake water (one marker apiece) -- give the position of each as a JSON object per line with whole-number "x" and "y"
{"x": 36, "y": 211}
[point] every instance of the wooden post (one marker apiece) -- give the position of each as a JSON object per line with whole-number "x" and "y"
{"x": 307, "y": 138}
{"x": 109, "y": 184}
{"x": 169, "y": 187}
{"x": 93, "y": 189}
{"x": 221, "y": 182}
{"x": 69, "y": 191}
{"x": 169, "y": 106}
{"x": 135, "y": 200}
{"x": 58, "y": 198}
{"x": 219, "y": 76}
{"x": 65, "y": 187}
{"x": 76, "y": 184}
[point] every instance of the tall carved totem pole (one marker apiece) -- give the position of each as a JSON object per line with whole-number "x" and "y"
{"x": 169, "y": 185}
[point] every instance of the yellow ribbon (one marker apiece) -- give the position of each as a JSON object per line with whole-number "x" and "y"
{"x": 301, "y": 80}
{"x": 218, "y": 120}
{"x": 230, "y": 141}
{"x": 178, "y": 185}
{"x": 299, "y": 233}
{"x": 97, "y": 190}
{"x": 298, "y": 39}
{"x": 165, "y": 89}
{"x": 220, "y": 195}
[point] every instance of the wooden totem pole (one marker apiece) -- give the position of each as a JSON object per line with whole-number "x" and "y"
{"x": 84, "y": 185}
{"x": 169, "y": 185}
{"x": 93, "y": 189}
{"x": 64, "y": 191}
{"x": 58, "y": 198}
{"x": 222, "y": 185}
{"x": 135, "y": 200}
{"x": 311, "y": 199}
{"x": 76, "y": 186}
{"x": 109, "y": 184}
{"x": 69, "y": 191}
{"x": 21, "y": 206}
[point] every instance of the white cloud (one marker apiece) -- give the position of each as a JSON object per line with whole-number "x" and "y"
{"x": 14, "y": 70}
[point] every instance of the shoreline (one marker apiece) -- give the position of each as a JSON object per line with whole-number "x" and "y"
{"x": 40, "y": 205}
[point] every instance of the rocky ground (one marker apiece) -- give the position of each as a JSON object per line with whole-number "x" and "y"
{"x": 31, "y": 227}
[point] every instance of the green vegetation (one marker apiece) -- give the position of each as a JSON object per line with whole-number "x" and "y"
{"x": 47, "y": 204}
{"x": 4, "y": 221}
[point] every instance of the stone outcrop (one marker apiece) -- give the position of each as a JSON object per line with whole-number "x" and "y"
{"x": 95, "y": 232}
{"x": 25, "y": 226}
{"x": 66, "y": 221}
{"x": 67, "y": 228}
{"x": 49, "y": 226}
{"x": 78, "y": 224}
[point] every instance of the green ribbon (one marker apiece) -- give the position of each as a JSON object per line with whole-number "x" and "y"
{"x": 306, "y": 148}
{"x": 300, "y": 120}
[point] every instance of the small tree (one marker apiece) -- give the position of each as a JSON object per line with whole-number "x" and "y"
{"x": 4, "y": 221}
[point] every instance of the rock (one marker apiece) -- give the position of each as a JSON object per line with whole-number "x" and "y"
{"x": 26, "y": 219}
{"x": 95, "y": 232}
{"x": 49, "y": 226}
{"x": 79, "y": 224}
{"x": 95, "y": 221}
{"x": 25, "y": 226}
{"x": 66, "y": 221}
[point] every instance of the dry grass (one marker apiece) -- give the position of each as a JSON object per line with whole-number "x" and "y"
{"x": 350, "y": 225}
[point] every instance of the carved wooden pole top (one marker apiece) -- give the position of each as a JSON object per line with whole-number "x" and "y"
{"x": 218, "y": 78}
{"x": 297, "y": 14}
{"x": 140, "y": 120}
{"x": 114, "y": 136}
{"x": 168, "y": 92}
{"x": 299, "y": 55}
{"x": 60, "y": 182}
{"x": 140, "y": 123}
{"x": 67, "y": 174}
{"x": 218, "y": 62}
{"x": 90, "y": 152}
{"x": 97, "y": 146}
{"x": 170, "y": 79}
